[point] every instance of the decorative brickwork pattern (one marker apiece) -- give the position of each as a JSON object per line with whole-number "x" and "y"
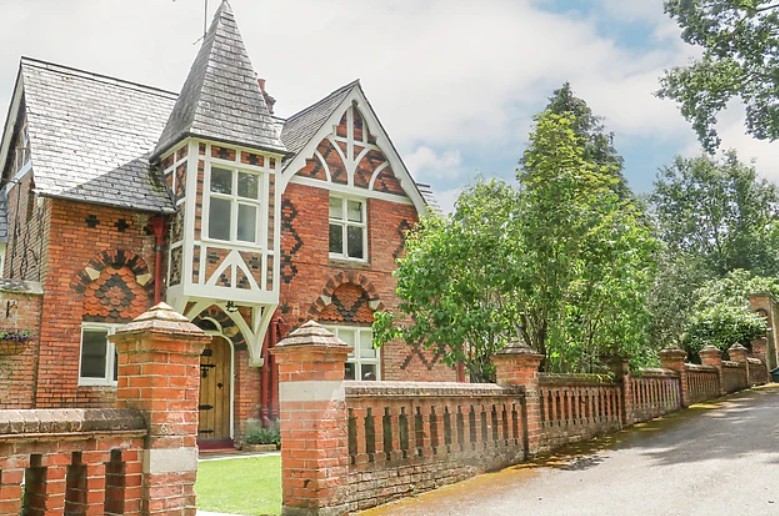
{"x": 229, "y": 328}
{"x": 349, "y": 304}
{"x": 291, "y": 241}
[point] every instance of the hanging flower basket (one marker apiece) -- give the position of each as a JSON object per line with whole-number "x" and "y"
{"x": 14, "y": 342}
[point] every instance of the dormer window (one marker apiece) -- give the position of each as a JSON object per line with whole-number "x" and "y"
{"x": 234, "y": 206}
{"x": 348, "y": 230}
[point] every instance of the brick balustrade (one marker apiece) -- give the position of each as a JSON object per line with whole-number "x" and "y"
{"x": 348, "y": 445}
{"x": 137, "y": 459}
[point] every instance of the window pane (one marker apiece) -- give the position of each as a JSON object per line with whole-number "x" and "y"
{"x": 336, "y": 239}
{"x": 366, "y": 345}
{"x": 336, "y": 205}
{"x": 349, "y": 371}
{"x": 93, "y": 354}
{"x": 348, "y": 337}
{"x": 247, "y": 223}
{"x": 354, "y": 211}
{"x": 354, "y": 235}
{"x": 368, "y": 372}
{"x": 248, "y": 185}
{"x": 221, "y": 180}
{"x": 219, "y": 219}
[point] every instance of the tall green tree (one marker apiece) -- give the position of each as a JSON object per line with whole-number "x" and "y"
{"x": 597, "y": 142}
{"x": 740, "y": 44}
{"x": 719, "y": 212}
{"x": 586, "y": 263}
{"x": 560, "y": 262}
{"x": 456, "y": 281}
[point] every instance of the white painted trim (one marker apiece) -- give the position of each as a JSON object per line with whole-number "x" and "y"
{"x": 325, "y": 166}
{"x": 370, "y": 120}
{"x": 351, "y": 190}
{"x": 110, "y": 352}
{"x": 376, "y": 174}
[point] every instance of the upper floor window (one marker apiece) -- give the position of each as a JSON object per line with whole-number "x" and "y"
{"x": 363, "y": 362}
{"x": 348, "y": 230}
{"x": 98, "y": 364}
{"x": 234, "y": 206}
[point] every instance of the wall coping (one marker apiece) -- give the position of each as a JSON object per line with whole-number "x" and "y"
{"x": 575, "y": 379}
{"x": 656, "y": 372}
{"x": 730, "y": 363}
{"x": 700, "y": 368}
{"x": 752, "y": 360}
{"x": 22, "y": 423}
{"x": 393, "y": 389}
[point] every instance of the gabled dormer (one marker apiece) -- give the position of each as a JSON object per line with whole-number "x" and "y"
{"x": 221, "y": 154}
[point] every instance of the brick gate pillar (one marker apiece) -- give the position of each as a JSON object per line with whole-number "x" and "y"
{"x": 712, "y": 356}
{"x": 314, "y": 421}
{"x": 517, "y": 365}
{"x": 673, "y": 359}
{"x": 159, "y": 373}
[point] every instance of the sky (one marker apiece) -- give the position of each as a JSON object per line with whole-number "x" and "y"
{"x": 456, "y": 83}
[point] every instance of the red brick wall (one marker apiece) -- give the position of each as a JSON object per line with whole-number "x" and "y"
{"x": 17, "y": 361}
{"x": 116, "y": 244}
{"x": 307, "y": 272}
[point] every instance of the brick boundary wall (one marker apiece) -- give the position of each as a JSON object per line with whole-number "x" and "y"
{"x": 72, "y": 461}
{"x": 349, "y": 446}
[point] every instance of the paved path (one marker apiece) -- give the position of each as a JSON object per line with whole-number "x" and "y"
{"x": 720, "y": 458}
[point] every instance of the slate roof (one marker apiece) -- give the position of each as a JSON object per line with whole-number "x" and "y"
{"x": 301, "y": 127}
{"x": 221, "y": 99}
{"x": 91, "y": 136}
{"x": 429, "y": 197}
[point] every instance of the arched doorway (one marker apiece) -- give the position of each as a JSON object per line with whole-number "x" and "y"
{"x": 216, "y": 383}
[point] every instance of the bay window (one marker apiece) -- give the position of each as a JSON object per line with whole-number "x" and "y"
{"x": 234, "y": 206}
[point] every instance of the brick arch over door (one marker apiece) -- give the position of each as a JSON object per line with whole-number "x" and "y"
{"x": 117, "y": 286}
{"x": 347, "y": 297}
{"x": 229, "y": 329}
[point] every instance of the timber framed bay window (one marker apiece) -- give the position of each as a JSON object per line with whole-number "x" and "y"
{"x": 98, "y": 362}
{"x": 348, "y": 228}
{"x": 363, "y": 362}
{"x": 234, "y": 205}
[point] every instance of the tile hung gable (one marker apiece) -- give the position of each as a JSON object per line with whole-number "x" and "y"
{"x": 221, "y": 99}
{"x": 304, "y": 130}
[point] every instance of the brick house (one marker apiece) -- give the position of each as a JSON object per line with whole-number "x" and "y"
{"x": 118, "y": 195}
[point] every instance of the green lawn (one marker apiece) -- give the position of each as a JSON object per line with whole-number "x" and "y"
{"x": 240, "y": 486}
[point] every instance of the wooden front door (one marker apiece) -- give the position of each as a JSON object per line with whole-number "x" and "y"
{"x": 215, "y": 381}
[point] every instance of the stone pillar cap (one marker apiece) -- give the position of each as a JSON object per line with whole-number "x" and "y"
{"x": 737, "y": 347}
{"x": 162, "y": 318}
{"x": 312, "y": 333}
{"x": 673, "y": 350}
{"x": 518, "y": 347}
{"x": 709, "y": 348}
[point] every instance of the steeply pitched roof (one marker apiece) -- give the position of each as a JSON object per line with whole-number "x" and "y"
{"x": 429, "y": 197}
{"x": 221, "y": 99}
{"x": 91, "y": 136}
{"x": 301, "y": 127}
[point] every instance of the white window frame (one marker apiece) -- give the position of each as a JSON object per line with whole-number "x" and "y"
{"x": 235, "y": 201}
{"x": 354, "y": 358}
{"x": 345, "y": 224}
{"x": 108, "y": 377}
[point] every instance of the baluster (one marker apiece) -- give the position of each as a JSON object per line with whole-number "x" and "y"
{"x": 360, "y": 444}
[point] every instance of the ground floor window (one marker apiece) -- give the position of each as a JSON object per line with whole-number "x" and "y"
{"x": 363, "y": 362}
{"x": 98, "y": 363}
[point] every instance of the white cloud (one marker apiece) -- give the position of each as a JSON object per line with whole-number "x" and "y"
{"x": 425, "y": 163}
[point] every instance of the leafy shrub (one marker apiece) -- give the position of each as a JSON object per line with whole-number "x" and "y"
{"x": 258, "y": 434}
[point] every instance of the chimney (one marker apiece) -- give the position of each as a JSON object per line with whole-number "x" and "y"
{"x": 270, "y": 101}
